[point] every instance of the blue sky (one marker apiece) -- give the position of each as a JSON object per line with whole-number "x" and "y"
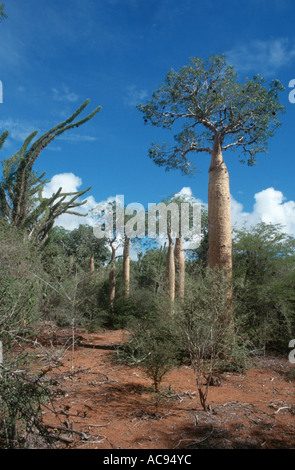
{"x": 56, "y": 54}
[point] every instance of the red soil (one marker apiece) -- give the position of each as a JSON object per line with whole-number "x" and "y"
{"x": 109, "y": 406}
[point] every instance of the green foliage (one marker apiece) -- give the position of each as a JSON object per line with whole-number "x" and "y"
{"x": 91, "y": 309}
{"x": 152, "y": 345}
{"x": 264, "y": 259}
{"x": 76, "y": 247}
{"x": 206, "y": 97}
{"x": 3, "y": 137}
{"x": 199, "y": 257}
{"x": 211, "y": 343}
{"x": 20, "y": 287}
{"x": 151, "y": 269}
{"x": 83, "y": 244}
{"x": 22, "y": 396}
{"x": 142, "y": 304}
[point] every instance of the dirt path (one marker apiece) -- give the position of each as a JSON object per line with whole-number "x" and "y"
{"x": 108, "y": 406}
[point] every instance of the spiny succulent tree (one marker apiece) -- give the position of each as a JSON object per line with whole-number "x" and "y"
{"x": 2, "y": 12}
{"x": 217, "y": 113}
{"x": 21, "y": 189}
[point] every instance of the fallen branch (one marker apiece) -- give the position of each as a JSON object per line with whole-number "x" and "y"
{"x": 71, "y": 431}
{"x": 282, "y": 408}
{"x": 195, "y": 442}
{"x": 92, "y": 425}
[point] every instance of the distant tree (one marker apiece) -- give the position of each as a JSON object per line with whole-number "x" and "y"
{"x": 21, "y": 190}
{"x": 151, "y": 269}
{"x": 179, "y": 268}
{"x": 218, "y": 113}
{"x": 88, "y": 250}
{"x": 170, "y": 269}
{"x": 200, "y": 255}
{"x": 112, "y": 274}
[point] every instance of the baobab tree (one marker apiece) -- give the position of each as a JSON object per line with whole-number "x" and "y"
{"x": 217, "y": 114}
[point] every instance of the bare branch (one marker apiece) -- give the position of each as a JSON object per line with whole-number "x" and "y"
{"x": 233, "y": 144}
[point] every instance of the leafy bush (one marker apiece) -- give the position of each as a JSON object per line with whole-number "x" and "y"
{"x": 153, "y": 345}
{"x": 210, "y": 341}
{"x": 264, "y": 279}
{"x": 22, "y": 397}
{"x": 142, "y": 304}
{"x": 20, "y": 285}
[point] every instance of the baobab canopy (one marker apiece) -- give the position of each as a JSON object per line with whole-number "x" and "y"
{"x": 208, "y": 99}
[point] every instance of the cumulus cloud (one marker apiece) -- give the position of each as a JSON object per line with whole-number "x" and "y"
{"x": 187, "y": 195}
{"x": 270, "y": 207}
{"x": 71, "y": 183}
{"x": 18, "y": 130}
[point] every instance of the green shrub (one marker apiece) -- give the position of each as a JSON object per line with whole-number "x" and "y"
{"x": 153, "y": 344}
{"x": 20, "y": 284}
{"x": 264, "y": 286}
{"x": 22, "y": 397}
{"x": 211, "y": 343}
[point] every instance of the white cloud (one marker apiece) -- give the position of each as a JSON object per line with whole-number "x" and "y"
{"x": 68, "y": 181}
{"x": 71, "y": 183}
{"x": 263, "y": 57}
{"x": 76, "y": 138}
{"x": 187, "y": 195}
{"x": 270, "y": 206}
{"x": 18, "y": 130}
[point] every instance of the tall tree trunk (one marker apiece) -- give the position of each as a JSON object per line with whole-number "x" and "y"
{"x": 92, "y": 263}
{"x": 71, "y": 263}
{"x": 179, "y": 268}
{"x": 126, "y": 267}
{"x": 170, "y": 270}
{"x": 219, "y": 216}
{"x": 112, "y": 277}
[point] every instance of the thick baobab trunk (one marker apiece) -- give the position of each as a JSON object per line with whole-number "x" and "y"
{"x": 219, "y": 218}
{"x": 126, "y": 267}
{"x": 170, "y": 271}
{"x": 179, "y": 268}
{"x": 219, "y": 213}
{"x": 112, "y": 277}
